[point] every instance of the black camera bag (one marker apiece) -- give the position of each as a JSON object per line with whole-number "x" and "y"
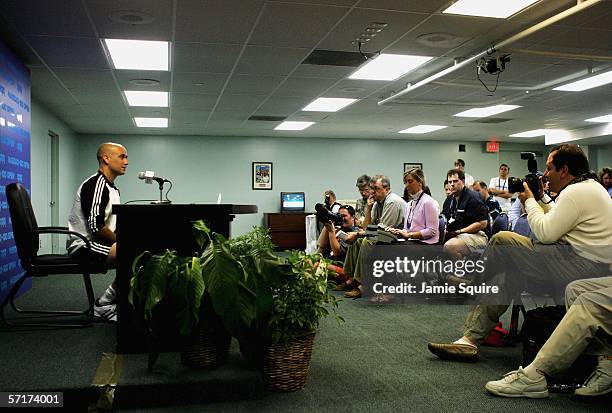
{"x": 538, "y": 326}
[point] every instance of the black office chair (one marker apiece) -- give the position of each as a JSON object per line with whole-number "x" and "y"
{"x": 26, "y": 233}
{"x": 522, "y": 227}
{"x": 501, "y": 223}
{"x": 441, "y": 229}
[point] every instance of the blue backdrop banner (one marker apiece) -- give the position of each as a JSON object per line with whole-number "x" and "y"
{"x": 14, "y": 155}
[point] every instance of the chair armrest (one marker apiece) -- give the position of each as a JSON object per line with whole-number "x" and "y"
{"x": 61, "y": 230}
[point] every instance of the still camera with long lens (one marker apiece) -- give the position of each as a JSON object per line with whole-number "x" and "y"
{"x": 532, "y": 178}
{"x": 325, "y": 215}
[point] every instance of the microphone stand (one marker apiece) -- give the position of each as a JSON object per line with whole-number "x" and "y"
{"x": 161, "y": 190}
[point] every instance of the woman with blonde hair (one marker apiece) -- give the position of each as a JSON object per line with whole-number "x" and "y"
{"x": 605, "y": 178}
{"x": 422, "y": 212}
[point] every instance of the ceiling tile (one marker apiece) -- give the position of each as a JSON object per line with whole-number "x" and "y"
{"x": 198, "y": 57}
{"x": 160, "y": 11}
{"x": 255, "y": 85}
{"x": 295, "y": 25}
{"x": 216, "y": 21}
{"x": 49, "y": 18}
{"x": 207, "y": 83}
{"x": 261, "y": 60}
{"x": 69, "y": 52}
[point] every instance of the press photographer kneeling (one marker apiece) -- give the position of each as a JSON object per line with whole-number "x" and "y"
{"x": 332, "y": 240}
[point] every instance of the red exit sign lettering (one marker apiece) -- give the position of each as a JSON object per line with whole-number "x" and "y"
{"x": 492, "y": 146}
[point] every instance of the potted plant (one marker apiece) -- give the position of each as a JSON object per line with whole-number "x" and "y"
{"x": 270, "y": 304}
{"x": 299, "y": 303}
{"x": 169, "y": 296}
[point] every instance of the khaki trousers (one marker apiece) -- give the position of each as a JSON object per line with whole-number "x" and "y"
{"x": 516, "y": 264}
{"x": 587, "y": 325}
{"x": 355, "y": 257}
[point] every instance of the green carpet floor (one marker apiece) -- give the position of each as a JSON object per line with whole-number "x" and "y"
{"x": 376, "y": 361}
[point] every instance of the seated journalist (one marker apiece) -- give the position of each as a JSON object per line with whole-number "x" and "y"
{"x": 421, "y": 214}
{"x": 332, "y": 246}
{"x": 383, "y": 208}
{"x": 467, "y": 218}
{"x": 578, "y": 221}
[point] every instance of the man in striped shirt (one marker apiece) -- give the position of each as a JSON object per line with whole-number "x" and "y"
{"x": 91, "y": 216}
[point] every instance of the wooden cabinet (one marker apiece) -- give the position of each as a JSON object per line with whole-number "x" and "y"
{"x": 288, "y": 230}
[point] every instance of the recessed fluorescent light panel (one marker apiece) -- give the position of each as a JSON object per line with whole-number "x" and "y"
{"x": 388, "y": 67}
{"x": 483, "y": 8}
{"x": 328, "y": 104}
{"x": 529, "y": 133}
{"x": 601, "y": 119}
{"x": 487, "y": 111}
{"x": 138, "y": 54}
{"x": 293, "y": 125}
{"x": 141, "y": 98}
{"x": 588, "y": 83}
{"x": 556, "y": 136}
{"x": 151, "y": 122}
{"x": 422, "y": 129}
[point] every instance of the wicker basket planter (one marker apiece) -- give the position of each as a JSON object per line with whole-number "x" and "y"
{"x": 210, "y": 349}
{"x": 286, "y": 364}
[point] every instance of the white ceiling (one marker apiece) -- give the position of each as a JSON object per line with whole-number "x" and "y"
{"x": 232, "y": 59}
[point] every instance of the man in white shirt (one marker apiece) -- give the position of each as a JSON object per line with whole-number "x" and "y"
{"x": 469, "y": 179}
{"x": 578, "y": 223}
{"x": 498, "y": 187}
{"x": 91, "y": 216}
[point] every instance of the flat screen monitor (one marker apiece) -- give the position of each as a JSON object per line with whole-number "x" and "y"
{"x": 293, "y": 201}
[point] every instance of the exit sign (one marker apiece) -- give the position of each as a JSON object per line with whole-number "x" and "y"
{"x": 492, "y": 146}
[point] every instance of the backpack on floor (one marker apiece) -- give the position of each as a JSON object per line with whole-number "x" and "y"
{"x": 538, "y": 326}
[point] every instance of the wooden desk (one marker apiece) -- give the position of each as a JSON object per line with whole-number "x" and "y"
{"x": 287, "y": 230}
{"x": 156, "y": 228}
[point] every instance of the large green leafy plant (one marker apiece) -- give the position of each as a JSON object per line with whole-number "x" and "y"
{"x": 171, "y": 279}
{"x": 259, "y": 297}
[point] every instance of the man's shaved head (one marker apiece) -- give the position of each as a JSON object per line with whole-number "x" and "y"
{"x": 106, "y": 149}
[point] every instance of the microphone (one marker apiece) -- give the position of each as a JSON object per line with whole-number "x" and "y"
{"x": 149, "y": 177}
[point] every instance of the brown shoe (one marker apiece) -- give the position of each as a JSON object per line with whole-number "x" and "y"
{"x": 456, "y": 352}
{"x": 342, "y": 287}
{"x": 356, "y": 293}
{"x": 454, "y": 280}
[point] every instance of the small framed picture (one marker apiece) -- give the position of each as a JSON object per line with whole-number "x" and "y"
{"x": 262, "y": 175}
{"x": 409, "y": 166}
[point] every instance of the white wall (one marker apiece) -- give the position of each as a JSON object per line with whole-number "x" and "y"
{"x": 604, "y": 157}
{"x": 201, "y": 167}
{"x": 42, "y": 122}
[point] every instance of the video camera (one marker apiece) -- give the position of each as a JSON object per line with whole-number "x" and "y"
{"x": 532, "y": 178}
{"x": 325, "y": 215}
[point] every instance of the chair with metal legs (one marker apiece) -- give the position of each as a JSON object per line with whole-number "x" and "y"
{"x": 26, "y": 233}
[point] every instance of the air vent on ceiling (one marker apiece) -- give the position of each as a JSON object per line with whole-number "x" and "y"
{"x": 336, "y": 58}
{"x": 131, "y": 17}
{"x": 491, "y": 120}
{"x": 268, "y": 118}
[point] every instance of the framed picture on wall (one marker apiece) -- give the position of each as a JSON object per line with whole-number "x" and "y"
{"x": 262, "y": 175}
{"x": 409, "y": 166}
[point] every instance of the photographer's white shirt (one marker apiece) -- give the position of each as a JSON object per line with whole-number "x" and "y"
{"x": 581, "y": 216}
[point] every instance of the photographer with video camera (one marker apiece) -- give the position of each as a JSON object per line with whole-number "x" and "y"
{"x": 336, "y": 226}
{"x": 578, "y": 223}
